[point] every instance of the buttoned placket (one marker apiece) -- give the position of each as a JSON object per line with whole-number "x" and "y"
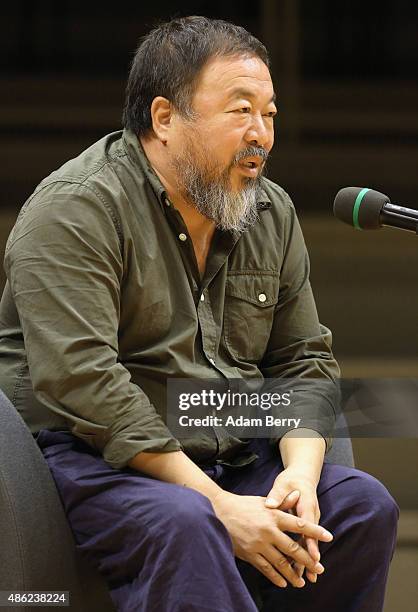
{"x": 217, "y": 256}
{"x": 221, "y": 247}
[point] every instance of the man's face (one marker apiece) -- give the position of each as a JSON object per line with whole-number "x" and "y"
{"x": 219, "y": 155}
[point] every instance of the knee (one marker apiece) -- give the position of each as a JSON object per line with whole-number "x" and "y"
{"x": 377, "y": 506}
{"x": 187, "y": 513}
{"x": 190, "y": 511}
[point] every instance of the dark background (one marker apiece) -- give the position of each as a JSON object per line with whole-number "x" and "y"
{"x": 345, "y": 73}
{"x": 346, "y": 77}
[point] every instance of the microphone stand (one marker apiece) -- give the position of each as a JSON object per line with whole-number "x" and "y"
{"x": 398, "y": 216}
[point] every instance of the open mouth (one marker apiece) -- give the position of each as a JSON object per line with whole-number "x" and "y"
{"x": 250, "y": 164}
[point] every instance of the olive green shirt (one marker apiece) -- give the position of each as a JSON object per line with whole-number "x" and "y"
{"x": 104, "y": 302}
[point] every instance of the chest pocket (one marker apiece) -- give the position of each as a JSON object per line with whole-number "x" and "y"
{"x": 250, "y": 299}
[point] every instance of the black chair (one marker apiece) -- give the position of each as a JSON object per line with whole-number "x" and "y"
{"x": 37, "y": 551}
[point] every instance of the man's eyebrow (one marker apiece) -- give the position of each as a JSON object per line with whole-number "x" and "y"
{"x": 241, "y": 92}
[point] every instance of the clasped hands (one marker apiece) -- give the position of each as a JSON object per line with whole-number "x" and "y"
{"x": 258, "y": 525}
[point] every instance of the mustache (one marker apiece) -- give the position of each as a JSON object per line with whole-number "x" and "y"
{"x": 250, "y": 152}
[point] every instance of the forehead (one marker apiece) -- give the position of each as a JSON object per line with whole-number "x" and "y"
{"x": 222, "y": 77}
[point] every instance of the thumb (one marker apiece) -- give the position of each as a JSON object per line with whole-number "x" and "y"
{"x": 281, "y": 499}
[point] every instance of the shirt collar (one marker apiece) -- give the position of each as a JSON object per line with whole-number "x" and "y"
{"x": 137, "y": 154}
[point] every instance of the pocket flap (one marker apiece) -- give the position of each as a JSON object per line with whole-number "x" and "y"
{"x": 258, "y": 288}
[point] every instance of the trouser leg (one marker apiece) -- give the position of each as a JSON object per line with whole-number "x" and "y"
{"x": 159, "y": 546}
{"x": 360, "y": 513}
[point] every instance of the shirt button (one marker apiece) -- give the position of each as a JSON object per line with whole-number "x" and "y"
{"x": 212, "y": 361}
{"x": 202, "y": 298}
{"x": 182, "y": 237}
{"x": 167, "y": 201}
{"x": 262, "y": 297}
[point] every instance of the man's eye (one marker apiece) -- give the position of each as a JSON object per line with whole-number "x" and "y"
{"x": 271, "y": 114}
{"x": 244, "y": 109}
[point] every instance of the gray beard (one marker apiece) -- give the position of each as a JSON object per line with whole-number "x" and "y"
{"x": 209, "y": 192}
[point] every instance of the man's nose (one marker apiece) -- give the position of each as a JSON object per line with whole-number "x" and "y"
{"x": 258, "y": 134}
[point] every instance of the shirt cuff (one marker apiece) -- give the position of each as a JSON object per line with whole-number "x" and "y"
{"x": 304, "y": 432}
{"x": 131, "y": 436}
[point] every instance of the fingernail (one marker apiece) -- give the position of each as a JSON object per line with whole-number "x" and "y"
{"x": 301, "y": 583}
{"x": 293, "y": 494}
{"x": 327, "y": 534}
{"x": 319, "y": 568}
{"x": 270, "y": 501}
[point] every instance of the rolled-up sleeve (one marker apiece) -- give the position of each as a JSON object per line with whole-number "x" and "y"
{"x": 65, "y": 267}
{"x": 300, "y": 347}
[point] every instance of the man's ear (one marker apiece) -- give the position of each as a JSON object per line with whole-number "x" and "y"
{"x": 161, "y": 116}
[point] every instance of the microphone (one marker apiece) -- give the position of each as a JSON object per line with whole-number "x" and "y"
{"x": 367, "y": 209}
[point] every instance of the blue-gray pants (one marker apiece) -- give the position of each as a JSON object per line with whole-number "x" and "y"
{"x": 161, "y": 548}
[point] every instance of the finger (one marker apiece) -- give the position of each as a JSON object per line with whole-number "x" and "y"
{"x": 299, "y": 569}
{"x": 306, "y": 543}
{"x": 311, "y": 545}
{"x": 283, "y": 566}
{"x": 289, "y": 502}
{"x": 312, "y": 548}
{"x": 309, "y": 511}
{"x": 295, "y": 524}
{"x": 279, "y": 496}
{"x": 311, "y": 577}
{"x": 291, "y": 548}
{"x": 266, "y": 568}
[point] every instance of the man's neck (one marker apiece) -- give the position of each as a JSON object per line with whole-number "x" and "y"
{"x": 158, "y": 157}
{"x": 200, "y": 228}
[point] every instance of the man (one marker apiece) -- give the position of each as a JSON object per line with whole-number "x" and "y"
{"x": 162, "y": 252}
